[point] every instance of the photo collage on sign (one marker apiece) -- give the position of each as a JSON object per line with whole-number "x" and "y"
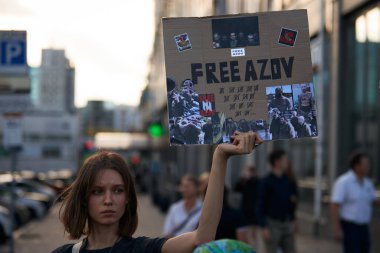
{"x": 194, "y": 120}
{"x": 291, "y": 110}
{"x": 235, "y": 32}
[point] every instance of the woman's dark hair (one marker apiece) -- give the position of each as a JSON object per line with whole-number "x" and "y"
{"x": 275, "y": 156}
{"x": 356, "y": 158}
{"x": 74, "y": 212}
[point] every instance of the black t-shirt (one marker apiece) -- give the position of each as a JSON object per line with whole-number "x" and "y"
{"x": 125, "y": 245}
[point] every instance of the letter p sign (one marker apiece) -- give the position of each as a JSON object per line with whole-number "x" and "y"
{"x": 13, "y": 53}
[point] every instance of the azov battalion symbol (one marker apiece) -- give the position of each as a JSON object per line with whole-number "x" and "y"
{"x": 207, "y": 105}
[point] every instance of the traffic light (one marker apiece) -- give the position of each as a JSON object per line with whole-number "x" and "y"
{"x": 156, "y": 130}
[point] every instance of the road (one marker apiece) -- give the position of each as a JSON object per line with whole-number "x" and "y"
{"x": 47, "y": 234}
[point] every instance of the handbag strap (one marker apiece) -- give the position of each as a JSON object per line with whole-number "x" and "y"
{"x": 183, "y": 224}
{"x": 76, "y": 247}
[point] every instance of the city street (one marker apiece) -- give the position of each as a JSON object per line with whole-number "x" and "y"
{"x": 46, "y": 234}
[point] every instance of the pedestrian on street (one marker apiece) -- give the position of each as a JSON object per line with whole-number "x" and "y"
{"x": 351, "y": 209}
{"x": 183, "y": 216}
{"x": 232, "y": 224}
{"x": 101, "y": 204}
{"x": 275, "y": 208}
{"x": 248, "y": 187}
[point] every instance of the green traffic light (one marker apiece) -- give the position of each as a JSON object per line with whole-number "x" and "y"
{"x": 155, "y": 130}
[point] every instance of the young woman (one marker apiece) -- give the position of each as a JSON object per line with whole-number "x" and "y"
{"x": 102, "y": 205}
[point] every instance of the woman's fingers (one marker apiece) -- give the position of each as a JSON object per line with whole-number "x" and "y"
{"x": 243, "y": 143}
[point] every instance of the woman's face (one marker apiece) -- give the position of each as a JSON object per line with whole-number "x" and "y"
{"x": 108, "y": 198}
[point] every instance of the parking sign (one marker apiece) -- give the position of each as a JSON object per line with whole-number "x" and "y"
{"x": 13, "y": 51}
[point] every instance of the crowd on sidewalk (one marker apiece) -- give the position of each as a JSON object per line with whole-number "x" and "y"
{"x": 266, "y": 218}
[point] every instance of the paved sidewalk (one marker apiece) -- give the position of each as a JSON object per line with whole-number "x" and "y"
{"x": 47, "y": 234}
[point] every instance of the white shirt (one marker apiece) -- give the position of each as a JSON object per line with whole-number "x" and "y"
{"x": 178, "y": 214}
{"x": 354, "y": 197}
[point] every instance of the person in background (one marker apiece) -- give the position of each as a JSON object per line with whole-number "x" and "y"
{"x": 232, "y": 224}
{"x": 203, "y": 183}
{"x": 183, "y": 216}
{"x": 275, "y": 210}
{"x": 351, "y": 206}
{"x": 294, "y": 197}
{"x": 248, "y": 186}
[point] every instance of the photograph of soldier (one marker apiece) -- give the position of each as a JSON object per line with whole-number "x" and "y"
{"x": 242, "y": 40}
{"x": 185, "y": 121}
{"x": 303, "y": 95}
{"x": 312, "y": 120}
{"x": 253, "y": 39}
{"x": 291, "y": 111}
{"x": 235, "y": 32}
{"x": 217, "y": 43}
{"x": 207, "y": 129}
{"x": 233, "y": 40}
{"x": 275, "y": 124}
{"x": 286, "y": 129}
{"x": 280, "y": 99}
{"x": 294, "y": 121}
{"x": 304, "y": 128}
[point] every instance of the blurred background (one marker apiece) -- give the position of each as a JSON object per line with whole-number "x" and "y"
{"x": 79, "y": 76}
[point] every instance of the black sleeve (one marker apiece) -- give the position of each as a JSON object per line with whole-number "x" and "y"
{"x": 151, "y": 245}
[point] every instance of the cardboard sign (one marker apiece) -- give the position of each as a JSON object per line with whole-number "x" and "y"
{"x": 248, "y": 72}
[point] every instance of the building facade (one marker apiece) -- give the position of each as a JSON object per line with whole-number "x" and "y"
{"x": 97, "y": 116}
{"x": 56, "y": 82}
{"x": 50, "y": 125}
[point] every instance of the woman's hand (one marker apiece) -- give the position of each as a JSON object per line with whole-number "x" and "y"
{"x": 242, "y": 143}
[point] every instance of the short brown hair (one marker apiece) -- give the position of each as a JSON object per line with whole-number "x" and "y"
{"x": 74, "y": 209}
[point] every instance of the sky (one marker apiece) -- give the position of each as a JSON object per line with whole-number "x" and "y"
{"x": 108, "y": 42}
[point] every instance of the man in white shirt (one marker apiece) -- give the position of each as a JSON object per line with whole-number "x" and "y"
{"x": 352, "y": 198}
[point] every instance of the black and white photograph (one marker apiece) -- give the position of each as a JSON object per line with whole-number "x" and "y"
{"x": 235, "y": 32}
{"x": 186, "y": 124}
{"x": 291, "y": 110}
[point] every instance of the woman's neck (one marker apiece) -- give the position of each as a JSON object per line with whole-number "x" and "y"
{"x": 102, "y": 237}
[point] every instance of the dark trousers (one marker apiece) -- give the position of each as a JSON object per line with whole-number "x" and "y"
{"x": 355, "y": 237}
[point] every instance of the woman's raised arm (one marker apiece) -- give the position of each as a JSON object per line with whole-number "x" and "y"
{"x": 243, "y": 143}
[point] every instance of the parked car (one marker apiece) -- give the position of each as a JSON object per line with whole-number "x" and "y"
{"x": 5, "y": 224}
{"x": 35, "y": 202}
{"x": 29, "y": 186}
{"x": 21, "y": 213}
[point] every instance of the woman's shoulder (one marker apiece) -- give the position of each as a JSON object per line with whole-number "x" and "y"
{"x": 148, "y": 244}
{"x": 67, "y": 248}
